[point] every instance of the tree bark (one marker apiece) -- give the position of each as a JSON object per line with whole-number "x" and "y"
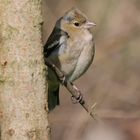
{"x": 23, "y": 103}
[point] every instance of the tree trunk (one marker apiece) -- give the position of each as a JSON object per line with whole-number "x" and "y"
{"x": 23, "y": 103}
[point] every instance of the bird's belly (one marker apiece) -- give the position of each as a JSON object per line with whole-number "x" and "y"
{"x": 68, "y": 62}
{"x": 84, "y": 61}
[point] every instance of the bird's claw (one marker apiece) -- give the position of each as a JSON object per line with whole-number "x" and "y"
{"x": 78, "y": 99}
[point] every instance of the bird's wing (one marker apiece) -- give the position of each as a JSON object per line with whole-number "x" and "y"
{"x": 53, "y": 41}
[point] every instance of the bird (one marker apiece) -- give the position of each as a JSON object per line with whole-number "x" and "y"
{"x": 71, "y": 48}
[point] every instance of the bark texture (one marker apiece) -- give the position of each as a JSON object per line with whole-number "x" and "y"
{"x": 23, "y": 114}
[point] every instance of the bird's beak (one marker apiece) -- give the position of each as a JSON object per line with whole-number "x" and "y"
{"x": 89, "y": 24}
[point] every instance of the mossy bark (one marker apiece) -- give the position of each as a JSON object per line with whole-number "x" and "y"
{"x": 23, "y": 103}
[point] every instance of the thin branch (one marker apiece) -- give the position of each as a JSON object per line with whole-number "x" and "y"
{"x": 75, "y": 92}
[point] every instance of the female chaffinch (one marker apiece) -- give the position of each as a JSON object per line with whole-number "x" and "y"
{"x": 71, "y": 48}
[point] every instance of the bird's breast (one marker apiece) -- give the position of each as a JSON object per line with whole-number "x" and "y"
{"x": 77, "y": 55}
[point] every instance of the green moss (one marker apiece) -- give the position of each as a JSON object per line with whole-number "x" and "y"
{"x": 9, "y": 32}
{"x": 6, "y": 2}
{"x": 2, "y": 80}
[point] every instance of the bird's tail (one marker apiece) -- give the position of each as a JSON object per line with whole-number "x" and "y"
{"x": 53, "y": 97}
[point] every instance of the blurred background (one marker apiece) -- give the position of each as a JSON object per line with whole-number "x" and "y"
{"x": 113, "y": 80}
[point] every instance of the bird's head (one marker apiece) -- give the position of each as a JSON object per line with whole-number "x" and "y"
{"x": 74, "y": 21}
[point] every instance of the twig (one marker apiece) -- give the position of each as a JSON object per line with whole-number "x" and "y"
{"x": 75, "y": 92}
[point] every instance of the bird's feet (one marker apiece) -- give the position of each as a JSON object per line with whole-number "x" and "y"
{"x": 78, "y": 98}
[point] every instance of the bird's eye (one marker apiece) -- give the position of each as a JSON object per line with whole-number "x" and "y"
{"x": 76, "y": 24}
